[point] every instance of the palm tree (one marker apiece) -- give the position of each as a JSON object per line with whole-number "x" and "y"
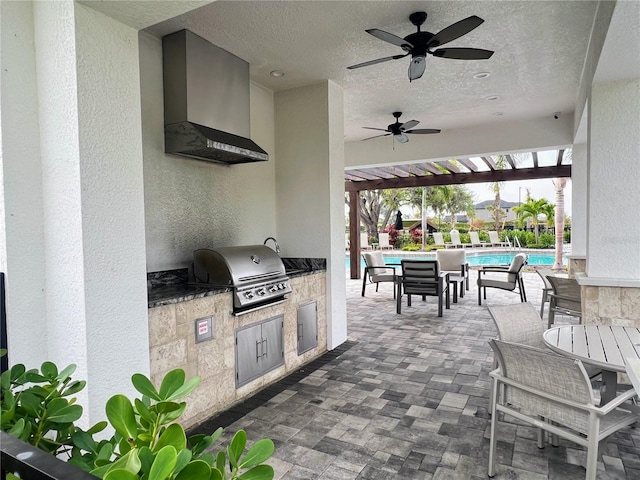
{"x": 532, "y": 209}
{"x": 559, "y": 183}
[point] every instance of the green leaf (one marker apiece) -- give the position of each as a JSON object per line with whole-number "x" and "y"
{"x": 236, "y": 447}
{"x": 30, "y": 403}
{"x": 129, "y": 461}
{"x": 5, "y": 380}
{"x": 216, "y": 475}
{"x": 195, "y": 470}
{"x": 175, "y": 414}
{"x": 17, "y": 371}
{"x": 184, "y": 457}
{"x": 261, "y": 472}
{"x": 146, "y": 459}
{"x": 17, "y": 429}
{"x": 186, "y": 389}
{"x": 207, "y": 458}
{"x": 143, "y": 411}
{"x": 98, "y": 427}
{"x": 84, "y": 441}
{"x": 70, "y": 413}
{"x": 221, "y": 461}
{"x": 121, "y": 474}
{"x": 143, "y": 385}
{"x": 166, "y": 407}
{"x": 258, "y": 453}
{"x": 173, "y": 435}
{"x": 171, "y": 382}
{"x": 74, "y": 387}
{"x": 120, "y": 414}
{"x": 35, "y": 377}
{"x": 49, "y": 370}
{"x": 66, "y": 373}
{"x": 200, "y": 444}
{"x": 163, "y": 463}
{"x": 105, "y": 452}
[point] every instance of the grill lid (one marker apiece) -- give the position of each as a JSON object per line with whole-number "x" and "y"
{"x": 237, "y": 266}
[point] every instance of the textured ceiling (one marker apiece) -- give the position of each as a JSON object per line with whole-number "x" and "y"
{"x": 539, "y": 47}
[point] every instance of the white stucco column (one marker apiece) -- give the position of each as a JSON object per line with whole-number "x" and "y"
{"x": 310, "y": 187}
{"x": 613, "y": 222}
{"x": 579, "y": 200}
{"x": 81, "y": 210}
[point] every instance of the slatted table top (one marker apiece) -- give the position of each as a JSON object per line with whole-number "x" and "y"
{"x": 605, "y": 346}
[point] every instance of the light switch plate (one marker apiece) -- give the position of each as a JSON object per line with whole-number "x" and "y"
{"x": 204, "y": 329}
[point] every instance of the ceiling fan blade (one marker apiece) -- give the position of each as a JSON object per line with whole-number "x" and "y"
{"x": 402, "y": 138}
{"x": 372, "y": 128}
{"x": 376, "y": 136}
{"x": 455, "y": 30}
{"x": 423, "y": 130}
{"x": 379, "y": 60}
{"x": 409, "y": 124}
{"x": 417, "y": 67}
{"x": 390, "y": 38}
{"x": 463, "y": 53}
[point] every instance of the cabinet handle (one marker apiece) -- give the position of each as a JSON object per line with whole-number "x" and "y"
{"x": 265, "y": 349}
{"x": 301, "y": 329}
{"x": 257, "y": 353}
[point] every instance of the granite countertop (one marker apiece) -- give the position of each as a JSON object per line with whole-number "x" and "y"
{"x": 175, "y": 286}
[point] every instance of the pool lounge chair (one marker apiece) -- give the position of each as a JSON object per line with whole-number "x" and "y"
{"x": 383, "y": 241}
{"x": 364, "y": 241}
{"x": 455, "y": 240}
{"x": 438, "y": 240}
{"x": 494, "y": 240}
{"x": 475, "y": 240}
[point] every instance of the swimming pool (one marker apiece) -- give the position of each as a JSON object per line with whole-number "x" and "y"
{"x": 475, "y": 259}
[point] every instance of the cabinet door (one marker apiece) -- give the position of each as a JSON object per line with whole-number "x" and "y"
{"x": 307, "y": 327}
{"x": 248, "y": 354}
{"x": 272, "y": 343}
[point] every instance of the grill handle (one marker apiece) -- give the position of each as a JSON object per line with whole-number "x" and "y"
{"x": 265, "y": 348}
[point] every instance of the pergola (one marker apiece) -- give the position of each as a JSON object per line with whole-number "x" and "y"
{"x": 482, "y": 169}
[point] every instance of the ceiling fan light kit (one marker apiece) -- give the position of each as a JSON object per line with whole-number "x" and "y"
{"x": 419, "y": 44}
{"x": 399, "y": 130}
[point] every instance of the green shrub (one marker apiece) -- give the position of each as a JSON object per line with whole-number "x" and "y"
{"x": 38, "y": 407}
{"x": 412, "y": 247}
{"x": 547, "y": 239}
{"x": 566, "y": 236}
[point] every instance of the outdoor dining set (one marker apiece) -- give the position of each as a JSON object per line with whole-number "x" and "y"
{"x": 576, "y": 381}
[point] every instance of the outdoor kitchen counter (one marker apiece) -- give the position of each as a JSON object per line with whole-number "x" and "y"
{"x": 178, "y": 308}
{"x": 174, "y": 286}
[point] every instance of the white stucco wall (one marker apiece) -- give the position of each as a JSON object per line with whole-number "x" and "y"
{"x": 310, "y": 186}
{"x": 579, "y": 200}
{"x": 613, "y": 173}
{"x": 192, "y": 204}
{"x": 22, "y": 180}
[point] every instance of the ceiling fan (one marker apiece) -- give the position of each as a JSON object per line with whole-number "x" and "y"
{"x": 419, "y": 44}
{"x": 399, "y": 130}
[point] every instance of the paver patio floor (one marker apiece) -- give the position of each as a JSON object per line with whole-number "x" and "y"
{"x": 407, "y": 398}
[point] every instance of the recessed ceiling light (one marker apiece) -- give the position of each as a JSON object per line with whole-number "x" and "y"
{"x": 491, "y": 97}
{"x": 481, "y": 75}
{"x": 497, "y": 114}
{"x": 277, "y": 73}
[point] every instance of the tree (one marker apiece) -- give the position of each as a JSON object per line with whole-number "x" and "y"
{"x": 559, "y": 183}
{"x": 497, "y": 212}
{"x": 532, "y": 209}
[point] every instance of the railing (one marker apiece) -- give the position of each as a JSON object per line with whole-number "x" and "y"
{"x": 31, "y": 463}
{"x": 516, "y": 240}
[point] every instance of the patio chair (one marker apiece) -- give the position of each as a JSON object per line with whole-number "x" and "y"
{"x": 510, "y": 278}
{"x": 364, "y": 241}
{"x": 546, "y": 289}
{"x": 632, "y": 366}
{"x": 494, "y": 240}
{"x": 454, "y": 262}
{"x": 564, "y": 298}
{"x": 475, "y": 240}
{"x": 422, "y": 277}
{"x": 438, "y": 240}
{"x": 376, "y": 271}
{"x": 455, "y": 240}
{"x": 383, "y": 241}
{"x": 541, "y": 384}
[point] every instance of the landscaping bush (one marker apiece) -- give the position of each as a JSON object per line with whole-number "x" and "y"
{"x": 566, "y": 236}
{"x": 412, "y": 247}
{"x": 38, "y": 407}
{"x": 547, "y": 239}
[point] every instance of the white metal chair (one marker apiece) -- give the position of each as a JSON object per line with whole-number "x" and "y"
{"x": 475, "y": 240}
{"x": 546, "y": 289}
{"x": 422, "y": 277}
{"x": 538, "y": 384}
{"x": 438, "y": 240}
{"x": 364, "y": 241}
{"x": 495, "y": 241}
{"x": 376, "y": 271}
{"x": 564, "y": 298}
{"x": 454, "y": 262}
{"x": 633, "y": 372}
{"x": 455, "y": 240}
{"x": 383, "y": 241}
{"x": 510, "y": 278}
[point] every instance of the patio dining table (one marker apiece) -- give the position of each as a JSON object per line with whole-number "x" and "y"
{"x": 604, "y": 346}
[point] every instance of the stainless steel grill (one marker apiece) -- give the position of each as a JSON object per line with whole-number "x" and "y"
{"x": 254, "y": 272}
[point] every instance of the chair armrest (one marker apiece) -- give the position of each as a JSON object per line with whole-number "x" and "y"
{"x": 494, "y": 268}
{"x": 564, "y": 297}
{"x": 392, "y": 270}
{"x": 616, "y": 402}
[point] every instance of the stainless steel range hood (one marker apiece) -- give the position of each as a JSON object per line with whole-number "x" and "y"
{"x": 206, "y": 102}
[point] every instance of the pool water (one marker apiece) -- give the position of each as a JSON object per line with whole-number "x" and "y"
{"x": 479, "y": 259}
